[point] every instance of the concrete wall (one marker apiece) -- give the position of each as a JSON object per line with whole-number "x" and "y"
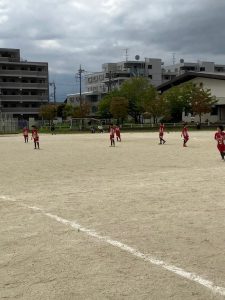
{"x": 216, "y": 86}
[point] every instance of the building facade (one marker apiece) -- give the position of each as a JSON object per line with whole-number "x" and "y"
{"x": 215, "y": 82}
{"x": 113, "y": 75}
{"x": 200, "y": 66}
{"x": 24, "y": 86}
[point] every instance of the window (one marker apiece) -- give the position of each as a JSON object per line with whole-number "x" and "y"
{"x": 149, "y": 66}
{"x": 214, "y": 111}
{"x": 202, "y": 69}
{"x": 94, "y": 109}
{"x": 150, "y": 76}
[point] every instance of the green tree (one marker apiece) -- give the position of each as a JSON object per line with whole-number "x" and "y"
{"x": 157, "y": 107}
{"x": 137, "y": 90}
{"x": 104, "y": 105}
{"x": 201, "y": 101}
{"x": 82, "y": 111}
{"x": 68, "y": 110}
{"x": 48, "y": 112}
{"x": 60, "y": 110}
{"x": 119, "y": 108}
{"x": 178, "y": 100}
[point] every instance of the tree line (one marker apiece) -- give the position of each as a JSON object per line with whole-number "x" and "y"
{"x": 138, "y": 99}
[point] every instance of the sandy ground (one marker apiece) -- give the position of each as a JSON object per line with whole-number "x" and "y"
{"x": 164, "y": 200}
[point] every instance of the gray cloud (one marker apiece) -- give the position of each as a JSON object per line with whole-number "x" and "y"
{"x": 67, "y": 33}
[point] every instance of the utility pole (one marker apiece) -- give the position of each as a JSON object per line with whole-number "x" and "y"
{"x": 174, "y": 58}
{"x": 80, "y": 71}
{"x": 54, "y": 90}
{"x": 110, "y": 82}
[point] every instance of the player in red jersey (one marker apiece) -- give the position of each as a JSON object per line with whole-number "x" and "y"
{"x": 117, "y": 131}
{"x": 25, "y": 134}
{"x": 220, "y": 138}
{"x": 35, "y": 137}
{"x": 161, "y": 133}
{"x": 112, "y": 135}
{"x": 185, "y": 135}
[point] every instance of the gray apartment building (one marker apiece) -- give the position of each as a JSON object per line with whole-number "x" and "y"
{"x": 24, "y": 85}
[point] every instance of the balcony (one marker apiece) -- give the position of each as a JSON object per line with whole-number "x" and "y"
{"x": 21, "y": 110}
{"x": 24, "y": 98}
{"x": 23, "y": 85}
{"x": 23, "y": 73}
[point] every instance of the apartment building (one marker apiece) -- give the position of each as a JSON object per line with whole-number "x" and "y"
{"x": 200, "y": 66}
{"x": 24, "y": 85}
{"x": 114, "y": 74}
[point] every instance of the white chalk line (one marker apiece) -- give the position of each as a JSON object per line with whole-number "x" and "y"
{"x": 176, "y": 270}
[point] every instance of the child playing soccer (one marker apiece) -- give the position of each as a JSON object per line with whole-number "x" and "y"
{"x": 220, "y": 138}
{"x": 35, "y": 137}
{"x": 112, "y": 135}
{"x": 117, "y": 131}
{"x": 25, "y": 134}
{"x": 185, "y": 135}
{"x": 161, "y": 133}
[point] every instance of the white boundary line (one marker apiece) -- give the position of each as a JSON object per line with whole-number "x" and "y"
{"x": 176, "y": 270}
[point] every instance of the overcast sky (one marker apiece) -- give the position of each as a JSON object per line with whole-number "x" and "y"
{"x": 67, "y": 33}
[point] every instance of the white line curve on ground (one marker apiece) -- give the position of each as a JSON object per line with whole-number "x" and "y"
{"x": 154, "y": 261}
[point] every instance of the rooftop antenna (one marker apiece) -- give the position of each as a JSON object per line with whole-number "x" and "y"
{"x": 174, "y": 58}
{"x": 126, "y": 53}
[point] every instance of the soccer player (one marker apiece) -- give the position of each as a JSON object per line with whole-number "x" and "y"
{"x": 117, "y": 131}
{"x": 185, "y": 135}
{"x": 25, "y": 134}
{"x": 112, "y": 135}
{"x": 35, "y": 137}
{"x": 161, "y": 133}
{"x": 220, "y": 138}
{"x": 53, "y": 128}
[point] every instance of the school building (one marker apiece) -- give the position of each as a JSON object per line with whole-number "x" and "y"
{"x": 213, "y": 81}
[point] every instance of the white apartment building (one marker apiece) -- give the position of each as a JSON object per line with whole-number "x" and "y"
{"x": 200, "y": 66}
{"x": 112, "y": 76}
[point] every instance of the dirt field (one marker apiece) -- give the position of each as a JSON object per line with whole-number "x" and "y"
{"x": 165, "y": 201}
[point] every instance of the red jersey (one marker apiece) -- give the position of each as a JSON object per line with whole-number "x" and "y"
{"x": 35, "y": 135}
{"x": 25, "y": 131}
{"x": 112, "y": 132}
{"x": 220, "y": 137}
{"x": 117, "y": 130}
{"x": 185, "y": 133}
{"x": 161, "y": 130}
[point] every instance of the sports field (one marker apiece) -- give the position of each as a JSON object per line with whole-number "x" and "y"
{"x": 82, "y": 220}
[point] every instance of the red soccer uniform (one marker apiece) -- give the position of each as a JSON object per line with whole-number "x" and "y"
{"x": 117, "y": 130}
{"x": 112, "y": 133}
{"x": 35, "y": 135}
{"x": 25, "y": 131}
{"x": 185, "y": 134}
{"x": 220, "y": 137}
{"x": 161, "y": 130}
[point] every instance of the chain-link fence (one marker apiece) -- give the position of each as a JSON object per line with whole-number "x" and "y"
{"x": 8, "y": 124}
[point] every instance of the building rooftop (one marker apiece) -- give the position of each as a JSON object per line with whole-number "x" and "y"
{"x": 188, "y": 76}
